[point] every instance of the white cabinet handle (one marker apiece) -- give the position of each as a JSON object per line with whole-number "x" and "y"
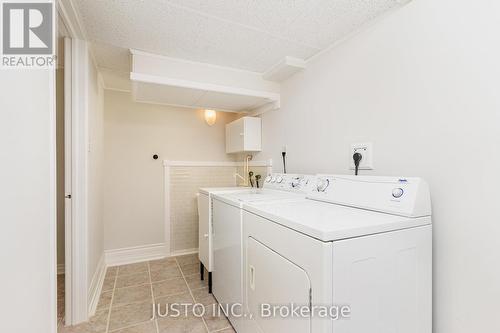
{"x": 206, "y": 235}
{"x": 242, "y": 134}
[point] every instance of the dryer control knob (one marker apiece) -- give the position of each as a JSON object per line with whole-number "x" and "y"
{"x": 397, "y": 192}
{"x": 296, "y": 182}
{"x": 322, "y": 185}
{"x": 268, "y": 179}
{"x": 279, "y": 179}
{"x": 273, "y": 179}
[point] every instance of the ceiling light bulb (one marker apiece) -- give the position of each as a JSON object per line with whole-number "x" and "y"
{"x": 210, "y": 117}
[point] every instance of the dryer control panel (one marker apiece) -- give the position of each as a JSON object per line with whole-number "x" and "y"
{"x": 393, "y": 195}
{"x": 290, "y": 182}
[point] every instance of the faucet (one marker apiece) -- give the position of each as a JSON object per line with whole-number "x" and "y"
{"x": 246, "y": 168}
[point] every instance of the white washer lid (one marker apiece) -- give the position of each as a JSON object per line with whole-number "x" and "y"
{"x": 330, "y": 222}
{"x": 261, "y": 195}
{"x": 209, "y": 190}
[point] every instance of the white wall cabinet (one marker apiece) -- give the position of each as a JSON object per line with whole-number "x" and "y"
{"x": 244, "y": 135}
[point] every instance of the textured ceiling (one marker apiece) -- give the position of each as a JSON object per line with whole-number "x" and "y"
{"x": 247, "y": 34}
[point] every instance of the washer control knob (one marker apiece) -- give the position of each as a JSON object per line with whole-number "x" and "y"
{"x": 397, "y": 192}
{"x": 268, "y": 179}
{"x": 322, "y": 185}
{"x": 296, "y": 182}
{"x": 279, "y": 179}
{"x": 273, "y": 179}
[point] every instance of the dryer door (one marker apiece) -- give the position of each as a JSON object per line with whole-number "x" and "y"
{"x": 275, "y": 285}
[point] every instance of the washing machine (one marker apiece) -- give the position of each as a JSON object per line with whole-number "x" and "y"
{"x": 228, "y": 232}
{"x": 360, "y": 245}
{"x": 205, "y": 252}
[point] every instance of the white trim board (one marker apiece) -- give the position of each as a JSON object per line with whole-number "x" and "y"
{"x": 146, "y": 78}
{"x": 77, "y": 237}
{"x": 96, "y": 287}
{"x": 166, "y": 206}
{"x": 52, "y": 230}
{"x": 183, "y": 252}
{"x": 166, "y": 163}
{"x": 130, "y": 255}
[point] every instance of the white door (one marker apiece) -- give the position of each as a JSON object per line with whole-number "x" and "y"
{"x": 227, "y": 274}
{"x": 68, "y": 176}
{"x": 275, "y": 283}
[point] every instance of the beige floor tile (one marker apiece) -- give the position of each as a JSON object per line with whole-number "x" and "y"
{"x": 190, "y": 269}
{"x": 147, "y": 327}
{"x": 162, "y": 263}
{"x": 203, "y": 297}
{"x": 61, "y": 279}
{"x": 61, "y": 296}
{"x": 165, "y": 273}
{"x": 104, "y": 300}
{"x": 96, "y": 324}
{"x": 131, "y": 314}
{"x": 188, "y": 259}
{"x": 133, "y": 268}
{"x": 111, "y": 272}
{"x": 132, "y": 280}
{"x": 227, "y": 330}
{"x": 194, "y": 281}
{"x": 184, "y": 298}
{"x": 181, "y": 325}
{"x": 109, "y": 283}
{"x": 135, "y": 294}
{"x": 170, "y": 287}
{"x": 215, "y": 319}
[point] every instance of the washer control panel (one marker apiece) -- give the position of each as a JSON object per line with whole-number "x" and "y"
{"x": 396, "y": 195}
{"x": 289, "y": 182}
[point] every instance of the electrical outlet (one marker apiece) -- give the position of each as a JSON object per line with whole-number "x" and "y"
{"x": 366, "y": 150}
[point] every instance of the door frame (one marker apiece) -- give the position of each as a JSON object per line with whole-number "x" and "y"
{"x": 76, "y": 127}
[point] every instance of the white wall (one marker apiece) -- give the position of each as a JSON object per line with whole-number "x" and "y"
{"x": 95, "y": 170}
{"x": 422, "y": 84}
{"x": 133, "y": 181}
{"x": 27, "y": 201}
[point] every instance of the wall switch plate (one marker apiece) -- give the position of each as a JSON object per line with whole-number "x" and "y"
{"x": 366, "y": 150}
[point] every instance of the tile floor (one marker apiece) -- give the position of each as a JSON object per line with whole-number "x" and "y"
{"x": 128, "y": 293}
{"x": 60, "y": 299}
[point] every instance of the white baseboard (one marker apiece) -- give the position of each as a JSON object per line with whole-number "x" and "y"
{"x": 183, "y": 252}
{"x": 96, "y": 286}
{"x": 61, "y": 269}
{"x": 135, "y": 254}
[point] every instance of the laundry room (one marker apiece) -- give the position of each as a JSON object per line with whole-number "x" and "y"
{"x": 251, "y": 166}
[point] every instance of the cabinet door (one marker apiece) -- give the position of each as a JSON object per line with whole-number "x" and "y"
{"x": 252, "y": 138}
{"x": 276, "y": 281}
{"x": 235, "y": 133}
{"x": 204, "y": 230}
